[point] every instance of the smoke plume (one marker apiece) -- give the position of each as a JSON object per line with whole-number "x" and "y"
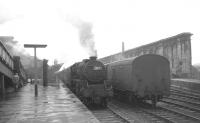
{"x": 5, "y": 15}
{"x": 86, "y": 35}
{"x": 15, "y": 49}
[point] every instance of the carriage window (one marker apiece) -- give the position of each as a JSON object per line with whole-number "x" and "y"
{"x": 1, "y": 51}
{"x": 12, "y": 66}
{"x": 10, "y": 63}
{"x": 4, "y": 54}
{"x": 6, "y": 58}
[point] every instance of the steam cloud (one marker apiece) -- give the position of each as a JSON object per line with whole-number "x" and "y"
{"x": 14, "y": 48}
{"x": 86, "y": 35}
{"x": 3, "y": 20}
{"x": 5, "y": 15}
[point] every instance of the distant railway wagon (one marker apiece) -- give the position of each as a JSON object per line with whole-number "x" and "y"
{"x": 146, "y": 77}
{"x": 87, "y": 79}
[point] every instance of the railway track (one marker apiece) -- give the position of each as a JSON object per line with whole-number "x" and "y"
{"x": 162, "y": 114}
{"x": 172, "y": 114}
{"x": 107, "y": 115}
{"x": 185, "y": 93}
{"x": 183, "y": 102}
{"x": 181, "y": 110}
{"x": 180, "y": 107}
{"x": 185, "y": 99}
{"x": 184, "y": 89}
{"x": 136, "y": 113}
{"x": 117, "y": 112}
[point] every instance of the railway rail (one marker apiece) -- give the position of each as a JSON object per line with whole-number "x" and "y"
{"x": 136, "y": 113}
{"x": 189, "y": 97}
{"x": 182, "y": 98}
{"x": 127, "y": 113}
{"x": 181, "y": 95}
{"x": 183, "y": 102}
{"x": 187, "y": 115}
{"x": 107, "y": 115}
{"x": 185, "y": 93}
{"x": 173, "y": 112}
{"x": 170, "y": 114}
{"x": 180, "y": 107}
{"x": 150, "y": 115}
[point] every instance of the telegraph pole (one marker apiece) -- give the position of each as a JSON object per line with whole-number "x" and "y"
{"x": 35, "y": 62}
{"x": 45, "y": 71}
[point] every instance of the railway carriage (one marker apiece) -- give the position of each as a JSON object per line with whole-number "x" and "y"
{"x": 146, "y": 77}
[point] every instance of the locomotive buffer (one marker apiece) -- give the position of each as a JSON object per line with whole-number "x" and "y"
{"x": 35, "y": 61}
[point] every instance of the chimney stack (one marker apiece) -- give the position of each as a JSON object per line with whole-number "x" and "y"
{"x": 93, "y": 58}
{"x": 96, "y": 53}
{"x": 122, "y": 47}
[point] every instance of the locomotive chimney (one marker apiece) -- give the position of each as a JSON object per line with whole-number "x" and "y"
{"x": 95, "y": 56}
{"x": 122, "y": 47}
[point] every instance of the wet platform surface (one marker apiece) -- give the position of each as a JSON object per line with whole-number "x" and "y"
{"x": 53, "y": 105}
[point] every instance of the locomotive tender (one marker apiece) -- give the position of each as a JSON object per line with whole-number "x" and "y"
{"x": 87, "y": 79}
{"x": 146, "y": 77}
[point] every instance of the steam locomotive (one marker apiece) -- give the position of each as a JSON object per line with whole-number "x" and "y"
{"x": 87, "y": 79}
{"x": 146, "y": 77}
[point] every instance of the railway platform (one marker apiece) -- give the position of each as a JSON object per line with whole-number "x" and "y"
{"x": 52, "y": 105}
{"x": 187, "y": 84}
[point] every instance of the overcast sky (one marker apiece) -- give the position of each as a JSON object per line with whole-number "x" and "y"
{"x": 60, "y": 24}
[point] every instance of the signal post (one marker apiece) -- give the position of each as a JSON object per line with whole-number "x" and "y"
{"x": 35, "y": 61}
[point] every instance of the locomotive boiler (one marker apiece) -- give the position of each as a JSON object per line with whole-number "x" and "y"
{"x": 87, "y": 79}
{"x": 146, "y": 77}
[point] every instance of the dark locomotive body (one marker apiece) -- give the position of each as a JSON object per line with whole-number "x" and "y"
{"x": 87, "y": 79}
{"x": 146, "y": 77}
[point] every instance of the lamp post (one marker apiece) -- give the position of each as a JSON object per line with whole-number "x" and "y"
{"x": 35, "y": 61}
